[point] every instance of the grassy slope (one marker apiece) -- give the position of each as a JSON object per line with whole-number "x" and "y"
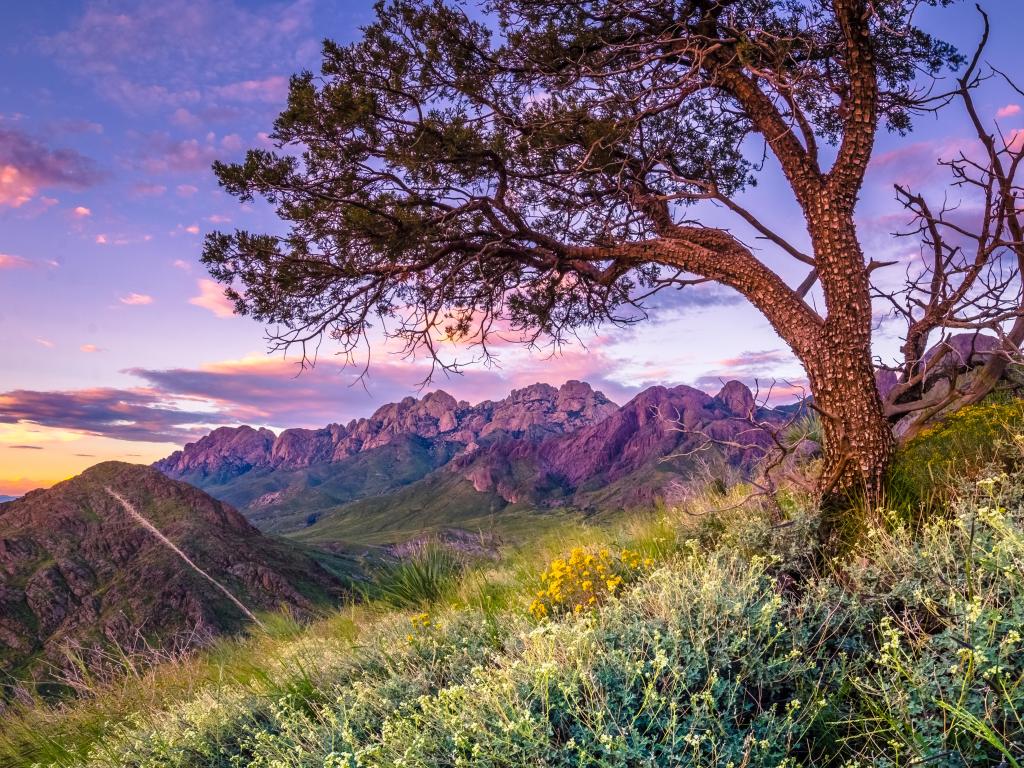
{"x": 905, "y": 653}
{"x": 309, "y": 492}
{"x": 443, "y": 499}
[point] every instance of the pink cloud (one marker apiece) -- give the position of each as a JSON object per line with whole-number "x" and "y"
{"x": 15, "y": 188}
{"x": 232, "y": 142}
{"x": 184, "y": 266}
{"x": 148, "y": 190}
{"x": 187, "y": 190}
{"x": 101, "y": 240}
{"x": 182, "y": 116}
{"x": 211, "y": 298}
{"x": 45, "y": 343}
{"x": 176, "y": 53}
{"x": 163, "y": 154}
{"x": 9, "y": 261}
{"x": 918, "y": 162}
{"x": 90, "y": 348}
{"x": 28, "y": 166}
{"x": 1008, "y": 111}
{"x": 192, "y": 229}
{"x": 136, "y": 299}
{"x": 81, "y": 212}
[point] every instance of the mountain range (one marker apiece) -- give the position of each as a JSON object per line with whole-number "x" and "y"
{"x": 424, "y": 464}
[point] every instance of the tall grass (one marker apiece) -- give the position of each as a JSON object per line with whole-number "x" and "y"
{"x": 429, "y": 575}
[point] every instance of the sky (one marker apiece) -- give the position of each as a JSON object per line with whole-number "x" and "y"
{"x": 117, "y": 345}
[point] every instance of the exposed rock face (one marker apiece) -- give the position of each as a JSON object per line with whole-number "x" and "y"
{"x": 226, "y": 452}
{"x": 963, "y": 350}
{"x": 537, "y": 410}
{"x": 657, "y": 423}
{"x": 77, "y": 570}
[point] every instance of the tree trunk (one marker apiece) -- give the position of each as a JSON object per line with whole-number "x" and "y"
{"x": 859, "y": 443}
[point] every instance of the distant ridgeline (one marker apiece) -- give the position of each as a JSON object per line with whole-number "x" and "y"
{"x": 435, "y": 462}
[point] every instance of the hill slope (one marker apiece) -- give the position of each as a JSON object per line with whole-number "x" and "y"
{"x": 78, "y": 571}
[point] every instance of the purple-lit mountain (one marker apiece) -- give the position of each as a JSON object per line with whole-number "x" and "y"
{"x": 541, "y": 447}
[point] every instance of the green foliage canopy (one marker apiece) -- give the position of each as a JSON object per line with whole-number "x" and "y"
{"x": 514, "y": 163}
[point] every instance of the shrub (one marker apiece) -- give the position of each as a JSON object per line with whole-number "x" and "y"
{"x": 944, "y": 684}
{"x": 585, "y": 579}
{"x": 926, "y": 470}
{"x": 426, "y": 577}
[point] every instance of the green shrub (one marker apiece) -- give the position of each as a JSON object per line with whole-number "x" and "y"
{"x": 426, "y": 577}
{"x": 944, "y": 684}
{"x": 927, "y": 469}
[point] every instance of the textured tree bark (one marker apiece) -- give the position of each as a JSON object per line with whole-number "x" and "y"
{"x": 859, "y": 442}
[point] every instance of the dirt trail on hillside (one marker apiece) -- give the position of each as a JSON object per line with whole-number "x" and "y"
{"x": 141, "y": 520}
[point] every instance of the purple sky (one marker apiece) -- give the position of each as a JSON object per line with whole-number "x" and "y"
{"x": 117, "y": 346}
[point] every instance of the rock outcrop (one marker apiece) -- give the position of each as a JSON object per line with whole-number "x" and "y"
{"x": 225, "y": 452}
{"x": 658, "y": 423}
{"x": 78, "y": 572}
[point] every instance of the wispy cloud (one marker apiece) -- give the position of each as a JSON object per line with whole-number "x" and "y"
{"x": 211, "y": 298}
{"x": 148, "y": 190}
{"x": 119, "y": 413}
{"x": 10, "y": 261}
{"x": 179, "y": 53}
{"x": 136, "y": 299}
{"x": 91, "y": 349}
{"x": 272, "y": 90}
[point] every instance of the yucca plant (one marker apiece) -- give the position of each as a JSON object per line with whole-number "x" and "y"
{"x": 426, "y": 577}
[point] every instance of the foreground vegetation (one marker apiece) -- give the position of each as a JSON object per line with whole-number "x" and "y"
{"x": 692, "y": 638}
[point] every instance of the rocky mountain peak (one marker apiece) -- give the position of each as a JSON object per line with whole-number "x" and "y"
{"x": 226, "y": 451}
{"x": 737, "y": 399}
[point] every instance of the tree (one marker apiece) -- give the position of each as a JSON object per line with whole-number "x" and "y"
{"x": 969, "y": 278}
{"x": 539, "y": 164}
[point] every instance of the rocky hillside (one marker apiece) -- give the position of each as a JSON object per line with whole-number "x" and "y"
{"x": 656, "y": 425}
{"x": 79, "y": 572}
{"x": 645, "y": 451}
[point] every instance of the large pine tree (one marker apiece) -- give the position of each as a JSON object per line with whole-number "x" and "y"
{"x": 535, "y": 162}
